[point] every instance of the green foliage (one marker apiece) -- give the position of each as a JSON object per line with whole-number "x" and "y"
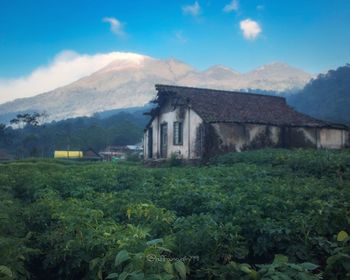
{"x": 133, "y": 157}
{"x": 338, "y": 264}
{"x": 174, "y": 160}
{"x": 326, "y": 97}
{"x": 282, "y": 269}
{"x": 35, "y": 139}
{"x": 309, "y": 162}
{"x": 271, "y": 214}
{"x": 15, "y": 248}
{"x": 33, "y": 119}
{"x": 149, "y": 264}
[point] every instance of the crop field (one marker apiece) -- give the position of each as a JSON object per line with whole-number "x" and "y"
{"x": 268, "y": 214}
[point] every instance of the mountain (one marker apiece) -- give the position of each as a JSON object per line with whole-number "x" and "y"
{"x": 130, "y": 83}
{"x": 327, "y": 97}
{"x": 278, "y": 77}
{"x": 272, "y": 77}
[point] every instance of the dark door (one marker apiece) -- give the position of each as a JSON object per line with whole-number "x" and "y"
{"x": 163, "y": 140}
{"x": 286, "y": 137}
{"x": 150, "y": 142}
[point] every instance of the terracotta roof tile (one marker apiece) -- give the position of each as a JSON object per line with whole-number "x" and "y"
{"x": 239, "y": 107}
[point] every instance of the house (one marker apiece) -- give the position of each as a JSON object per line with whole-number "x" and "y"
{"x": 121, "y": 152}
{"x": 88, "y": 154}
{"x": 68, "y": 154}
{"x": 135, "y": 148}
{"x": 5, "y": 155}
{"x": 194, "y": 123}
{"x": 91, "y": 155}
{"x": 114, "y": 152}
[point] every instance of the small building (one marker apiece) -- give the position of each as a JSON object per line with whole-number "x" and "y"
{"x": 121, "y": 152}
{"x": 5, "y": 155}
{"x": 91, "y": 155}
{"x": 135, "y": 148}
{"x": 114, "y": 152}
{"x": 194, "y": 123}
{"x": 68, "y": 154}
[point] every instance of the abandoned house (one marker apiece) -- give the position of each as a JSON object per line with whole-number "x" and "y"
{"x": 193, "y": 123}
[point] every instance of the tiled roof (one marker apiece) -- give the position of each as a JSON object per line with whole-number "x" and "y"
{"x": 229, "y": 106}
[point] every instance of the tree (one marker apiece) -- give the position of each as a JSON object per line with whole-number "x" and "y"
{"x": 2, "y": 133}
{"x": 327, "y": 97}
{"x": 19, "y": 121}
{"x": 38, "y": 118}
{"x": 31, "y": 145}
{"x": 2, "y": 129}
{"x": 34, "y": 119}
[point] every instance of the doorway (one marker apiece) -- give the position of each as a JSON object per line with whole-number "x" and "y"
{"x": 150, "y": 142}
{"x": 163, "y": 140}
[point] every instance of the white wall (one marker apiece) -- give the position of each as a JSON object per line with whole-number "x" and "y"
{"x": 190, "y": 121}
{"x": 333, "y": 138}
{"x": 240, "y": 136}
{"x": 234, "y": 135}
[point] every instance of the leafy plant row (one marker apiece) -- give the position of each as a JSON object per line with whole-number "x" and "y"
{"x": 272, "y": 214}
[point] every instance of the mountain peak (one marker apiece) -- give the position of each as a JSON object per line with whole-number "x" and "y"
{"x": 125, "y": 60}
{"x": 219, "y": 67}
{"x": 272, "y": 65}
{"x": 276, "y": 70}
{"x": 278, "y": 66}
{"x": 128, "y": 81}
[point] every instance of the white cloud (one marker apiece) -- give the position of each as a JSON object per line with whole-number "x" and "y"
{"x": 232, "y": 6}
{"x": 180, "y": 37}
{"x": 193, "y": 10}
{"x": 250, "y": 28}
{"x": 66, "y": 67}
{"x": 115, "y": 25}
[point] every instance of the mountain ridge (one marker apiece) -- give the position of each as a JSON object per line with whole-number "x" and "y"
{"x": 130, "y": 83}
{"x": 326, "y": 97}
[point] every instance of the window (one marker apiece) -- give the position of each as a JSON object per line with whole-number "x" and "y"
{"x": 150, "y": 142}
{"x": 178, "y": 133}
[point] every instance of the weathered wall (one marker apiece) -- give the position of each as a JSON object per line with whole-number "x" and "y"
{"x": 207, "y": 140}
{"x": 300, "y": 137}
{"x": 226, "y": 137}
{"x": 308, "y": 137}
{"x": 169, "y": 115}
{"x": 333, "y": 138}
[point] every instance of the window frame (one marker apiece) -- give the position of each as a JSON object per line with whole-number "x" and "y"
{"x": 179, "y": 141}
{"x": 150, "y": 142}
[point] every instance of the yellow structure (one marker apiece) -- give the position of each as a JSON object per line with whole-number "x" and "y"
{"x": 68, "y": 154}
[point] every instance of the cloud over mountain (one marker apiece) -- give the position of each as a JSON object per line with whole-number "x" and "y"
{"x": 128, "y": 81}
{"x": 65, "y": 68}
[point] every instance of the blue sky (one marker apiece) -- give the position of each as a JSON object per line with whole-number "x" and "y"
{"x": 309, "y": 34}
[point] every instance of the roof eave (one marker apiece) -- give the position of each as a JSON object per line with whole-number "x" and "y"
{"x": 335, "y": 126}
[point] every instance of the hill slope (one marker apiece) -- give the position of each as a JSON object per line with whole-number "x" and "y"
{"x": 326, "y": 97}
{"x": 123, "y": 84}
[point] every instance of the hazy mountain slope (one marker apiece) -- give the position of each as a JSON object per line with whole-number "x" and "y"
{"x": 276, "y": 76}
{"x": 123, "y": 84}
{"x": 273, "y": 77}
{"x": 326, "y": 97}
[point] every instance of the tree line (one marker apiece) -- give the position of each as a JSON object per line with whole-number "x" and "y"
{"x": 29, "y": 135}
{"x": 326, "y": 97}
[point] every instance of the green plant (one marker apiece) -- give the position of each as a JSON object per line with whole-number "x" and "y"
{"x": 270, "y": 214}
